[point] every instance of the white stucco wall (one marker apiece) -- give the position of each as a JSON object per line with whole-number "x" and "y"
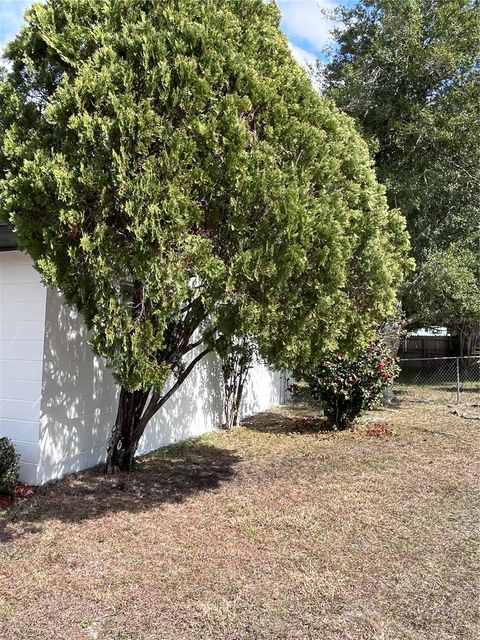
{"x": 79, "y": 399}
{"x": 22, "y": 322}
{"x": 58, "y": 401}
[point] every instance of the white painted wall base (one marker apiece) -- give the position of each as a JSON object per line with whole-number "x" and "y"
{"x": 58, "y": 401}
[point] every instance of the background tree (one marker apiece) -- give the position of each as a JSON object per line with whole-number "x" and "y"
{"x": 170, "y": 169}
{"x": 447, "y": 289}
{"x": 409, "y": 73}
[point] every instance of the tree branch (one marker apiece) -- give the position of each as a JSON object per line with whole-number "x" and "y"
{"x": 192, "y": 346}
{"x": 152, "y": 408}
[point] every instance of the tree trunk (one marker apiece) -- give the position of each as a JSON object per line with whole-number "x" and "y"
{"x": 235, "y": 369}
{"x": 233, "y": 401}
{"x": 135, "y": 410}
{"x": 238, "y": 401}
{"x": 461, "y": 343}
{"x": 125, "y": 433}
{"x": 390, "y": 331}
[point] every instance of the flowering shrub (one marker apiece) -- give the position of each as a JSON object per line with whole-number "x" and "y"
{"x": 347, "y": 386}
{"x": 8, "y": 467}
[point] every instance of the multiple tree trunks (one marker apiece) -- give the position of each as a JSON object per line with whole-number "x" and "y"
{"x": 469, "y": 341}
{"x": 135, "y": 410}
{"x": 236, "y": 365}
{"x": 127, "y": 431}
{"x": 233, "y": 401}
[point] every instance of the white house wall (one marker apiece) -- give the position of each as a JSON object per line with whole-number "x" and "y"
{"x": 79, "y": 399}
{"x": 22, "y": 321}
{"x": 78, "y": 396}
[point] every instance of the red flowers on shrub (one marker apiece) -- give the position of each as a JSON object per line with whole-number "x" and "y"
{"x": 345, "y": 386}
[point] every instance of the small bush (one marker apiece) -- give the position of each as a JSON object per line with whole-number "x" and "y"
{"x": 8, "y": 467}
{"x": 347, "y": 386}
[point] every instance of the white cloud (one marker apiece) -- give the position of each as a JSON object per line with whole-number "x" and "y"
{"x": 11, "y": 17}
{"x": 303, "y": 57}
{"x": 307, "y": 21}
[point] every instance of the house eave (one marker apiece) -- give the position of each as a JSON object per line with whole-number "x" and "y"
{"x": 8, "y": 239}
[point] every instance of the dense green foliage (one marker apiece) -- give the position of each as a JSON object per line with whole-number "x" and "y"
{"x": 447, "y": 290}
{"x": 409, "y": 73}
{"x": 171, "y": 170}
{"x": 8, "y": 467}
{"x": 346, "y": 386}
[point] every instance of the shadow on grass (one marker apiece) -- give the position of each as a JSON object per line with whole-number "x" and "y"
{"x": 428, "y": 394}
{"x": 170, "y": 475}
{"x": 453, "y": 389}
{"x": 306, "y": 418}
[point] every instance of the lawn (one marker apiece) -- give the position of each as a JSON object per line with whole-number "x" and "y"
{"x": 277, "y": 530}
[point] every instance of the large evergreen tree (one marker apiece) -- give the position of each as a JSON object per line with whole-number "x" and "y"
{"x": 170, "y": 169}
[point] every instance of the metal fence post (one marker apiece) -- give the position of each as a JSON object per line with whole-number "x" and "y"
{"x": 458, "y": 380}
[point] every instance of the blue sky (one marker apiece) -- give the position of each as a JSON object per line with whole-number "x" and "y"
{"x": 11, "y": 12}
{"x": 303, "y": 21}
{"x": 307, "y": 26}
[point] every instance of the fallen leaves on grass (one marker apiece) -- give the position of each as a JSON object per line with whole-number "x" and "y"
{"x": 22, "y": 492}
{"x": 378, "y": 429}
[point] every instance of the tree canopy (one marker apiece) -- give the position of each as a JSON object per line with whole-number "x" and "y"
{"x": 409, "y": 73}
{"x": 170, "y": 169}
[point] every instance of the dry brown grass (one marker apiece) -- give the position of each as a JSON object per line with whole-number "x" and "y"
{"x": 276, "y": 530}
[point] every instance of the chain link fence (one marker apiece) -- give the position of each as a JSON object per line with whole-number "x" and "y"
{"x": 449, "y": 380}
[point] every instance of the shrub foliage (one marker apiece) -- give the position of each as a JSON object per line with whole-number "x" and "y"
{"x": 8, "y": 467}
{"x": 345, "y": 386}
